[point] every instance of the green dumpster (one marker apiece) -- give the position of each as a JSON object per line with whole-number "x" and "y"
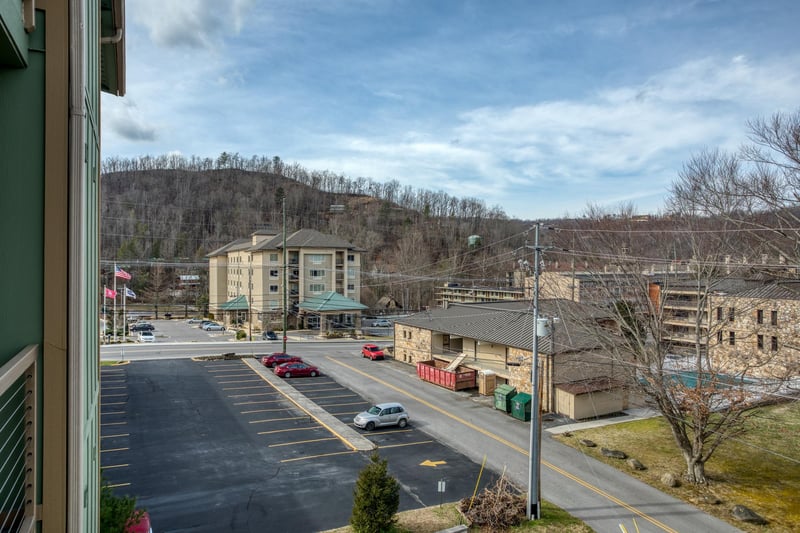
{"x": 521, "y": 406}
{"x": 502, "y": 397}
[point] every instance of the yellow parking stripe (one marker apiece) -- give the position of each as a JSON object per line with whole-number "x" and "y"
{"x": 279, "y": 419}
{"x": 114, "y": 466}
{"x": 265, "y": 410}
{"x": 300, "y": 442}
{"x": 255, "y": 402}
{"x": 289, "y": 429}
{"x": 317, "y": 456}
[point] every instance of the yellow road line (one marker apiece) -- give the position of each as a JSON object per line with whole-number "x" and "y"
{"x": 255, "y": 402}
{"x": 317, "y": 456}
{"x": 511, "y": 445}
{"x": 300, "y": 442}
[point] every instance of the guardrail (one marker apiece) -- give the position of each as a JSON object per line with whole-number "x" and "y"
{"x": 18, "y": 455}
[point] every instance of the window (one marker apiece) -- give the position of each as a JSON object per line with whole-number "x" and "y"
{"x": 351, "y": 287}
{"x": 273, "y": 258}
{"x": 760, "y": 316}
{"x": 719, "y": 337}
{"x": 351, "y": 258}
{"x": 760, "y": 342}
{"x": 273, "y": 273}
{"x": 731, "y": 314}
{"x": 732, "y": 338}
{"x": 273, "y": 288}
{"x": 317, "y": 273}
{"x": 774, "y": 344}
{"x": 317, "y": 287}
{"x": 315, "y": 259}
{"x": 774, "y": 318}
{"x": 719, "y": 313}
{"x": 272, "y": 304}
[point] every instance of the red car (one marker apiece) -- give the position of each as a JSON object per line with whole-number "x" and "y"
{"x": 139, "y": 524}
{"x": 278, "y": 358}
{"x": 372, "y": 351}
{"x": 288, "y": 370}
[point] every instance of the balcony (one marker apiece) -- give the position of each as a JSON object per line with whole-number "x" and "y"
{"x": 18, "y": 447}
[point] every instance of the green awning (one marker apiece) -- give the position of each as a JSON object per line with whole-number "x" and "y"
{"x": 237, "y": 304}
{"x": 329, "y": 302}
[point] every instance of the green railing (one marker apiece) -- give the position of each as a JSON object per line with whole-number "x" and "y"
{"x": 18, "y": 439}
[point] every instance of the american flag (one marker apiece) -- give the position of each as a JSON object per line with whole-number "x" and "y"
{"x": 119, "y": 273}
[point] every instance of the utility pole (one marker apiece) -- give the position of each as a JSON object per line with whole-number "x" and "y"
{"x": 533, "y": 508}
{"x": 250, "y": 296}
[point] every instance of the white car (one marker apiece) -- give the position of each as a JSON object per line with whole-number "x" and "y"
{"x": 147, "y": 336}
{"x": 382, "y": 323}
{"x": 382, "y": 414}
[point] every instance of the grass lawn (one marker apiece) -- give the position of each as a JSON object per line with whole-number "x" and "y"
{"x": 760, "y": 470}
{"x": 437, "y": 518}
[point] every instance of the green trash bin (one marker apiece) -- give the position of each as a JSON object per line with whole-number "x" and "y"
{"x": 521, "y": 406}
{"x": 502, "y": 397}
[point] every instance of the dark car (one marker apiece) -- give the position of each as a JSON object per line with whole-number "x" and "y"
{"x": 269, "y": 336}
{"x": 288, "y": 370}
{"x": 142, "y": 326}
{"x": 372, "y": 351}
{"x": 278, "y": 358}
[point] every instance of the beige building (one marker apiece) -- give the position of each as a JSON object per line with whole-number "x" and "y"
{"x": 456, "y": 293}
{"x": 247, "y": 277}
{"x": 498, "y": 337}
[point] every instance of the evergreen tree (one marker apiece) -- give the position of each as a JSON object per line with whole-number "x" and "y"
{"x": 376, "y": 498}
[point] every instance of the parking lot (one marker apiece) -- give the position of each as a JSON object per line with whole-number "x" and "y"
{"x": 227, "y": 446}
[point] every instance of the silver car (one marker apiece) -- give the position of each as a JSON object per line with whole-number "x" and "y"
{"x": 382, "y": 414}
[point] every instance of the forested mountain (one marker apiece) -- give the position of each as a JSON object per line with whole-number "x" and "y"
{"x": 177, "y": 209}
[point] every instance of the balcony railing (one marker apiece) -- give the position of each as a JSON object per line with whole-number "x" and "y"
{"x": 18, "y": 459}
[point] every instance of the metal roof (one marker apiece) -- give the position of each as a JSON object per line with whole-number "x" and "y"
{"x": 237, "y": 304}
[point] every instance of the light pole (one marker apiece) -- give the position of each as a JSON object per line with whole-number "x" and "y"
{"x": 285, "y": 267}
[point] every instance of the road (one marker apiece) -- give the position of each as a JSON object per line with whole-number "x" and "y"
{"x": 601, "y": 496}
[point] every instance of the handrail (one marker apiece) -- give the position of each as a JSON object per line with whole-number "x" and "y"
{"x": 18, "y": 509}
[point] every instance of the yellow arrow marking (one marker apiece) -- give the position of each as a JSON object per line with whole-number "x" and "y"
{"x": 434, "y": 464}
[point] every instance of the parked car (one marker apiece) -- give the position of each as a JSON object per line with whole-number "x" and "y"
{"x": 195, "y": 321}
{"x": 142, "y": 326}
{"x": 382, "y": 323}
{"x": 288, "y": 370}
{"x": 373, "y": 351}
{"x": 278, "y": 358}
{"x": 213, "y": 326}
{"x": 269, "y": 336}
{"x": 140, "y": 524}
{"x": 147, "y": 336}
{"x": 204, "y": 323}
{"x": 382, "y": 414}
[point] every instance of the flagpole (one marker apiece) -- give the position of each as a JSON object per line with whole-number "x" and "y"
{"x": 115, "y": 301}
{"x": 124, "y": 313}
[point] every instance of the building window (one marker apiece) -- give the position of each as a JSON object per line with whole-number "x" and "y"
{"x": 760, "y": 342}
{"x": 273, "y": 273}
{"x": 719, "y": 337}
{"x": 272, "y": 304}
{"x": 760, "y": 316}
{"x": 273, "y": 289}
{"x": 774, "y": 318}
{"x": 317, "y": 287}
{"x": 774, "y": 344}
{"x": 351, "y": 287}
{"x": 732, "y": 338}
{"x": 719, "y": 313}
{"x": 317, "y": 273}
{"x": 731, "y": 314}
{"x": 315, "y": 259}
{"x": 273, "y": 258}
{"x": 351, "y": 258}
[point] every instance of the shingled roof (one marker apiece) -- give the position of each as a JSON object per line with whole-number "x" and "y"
{"x": 511, "y": 323}
{"x": 304, "y": 238}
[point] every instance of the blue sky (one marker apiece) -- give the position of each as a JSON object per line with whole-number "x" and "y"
{"x": 538, "y": 107}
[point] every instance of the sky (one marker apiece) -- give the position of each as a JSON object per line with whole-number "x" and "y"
{"x": 541, "y": 108}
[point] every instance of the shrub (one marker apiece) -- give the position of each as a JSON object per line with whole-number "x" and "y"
{"x": 116, "y": 511}
{"x": 376, "y": 498}
{"x": 241, "y": 334}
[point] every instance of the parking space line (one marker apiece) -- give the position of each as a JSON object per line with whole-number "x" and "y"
{"x": 312, "y": 389}
{"x": 406, "y": 444}
{"x": 226, "y": 376}
{"x": 345, "y": 413}
{"x": 115, "y": 450}
{"x": 117, "y": 485}
{"x": 300, "y": 442}
{"x": 317, "y": 456}
{"x": 259, "y": 386}
{"x": 264, "y": 410}
{"x": 114, "y": 466}
{"x": 113, "y": 423}
{"x": 287, "y": 429}
{"x": 115, "y": 436}
{"x": 255, "y": 402}
{"x": 111, "y": 395}
{"x": 239, "y": 381}
{"x": 112, "y": 413}
{"x": 112, "y": 388}
{"x": 334, "y": 396}
{"x": 112, "y": 403}
{"x": 280, "y": 419}
{"x": 105, "y": 382}
{"x": 214, "y": 368}
{"x": 345, "y": 403}
{"x": 251, "y": 394}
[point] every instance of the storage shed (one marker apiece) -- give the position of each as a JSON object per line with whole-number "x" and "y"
{"x": 590, "y": 398}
